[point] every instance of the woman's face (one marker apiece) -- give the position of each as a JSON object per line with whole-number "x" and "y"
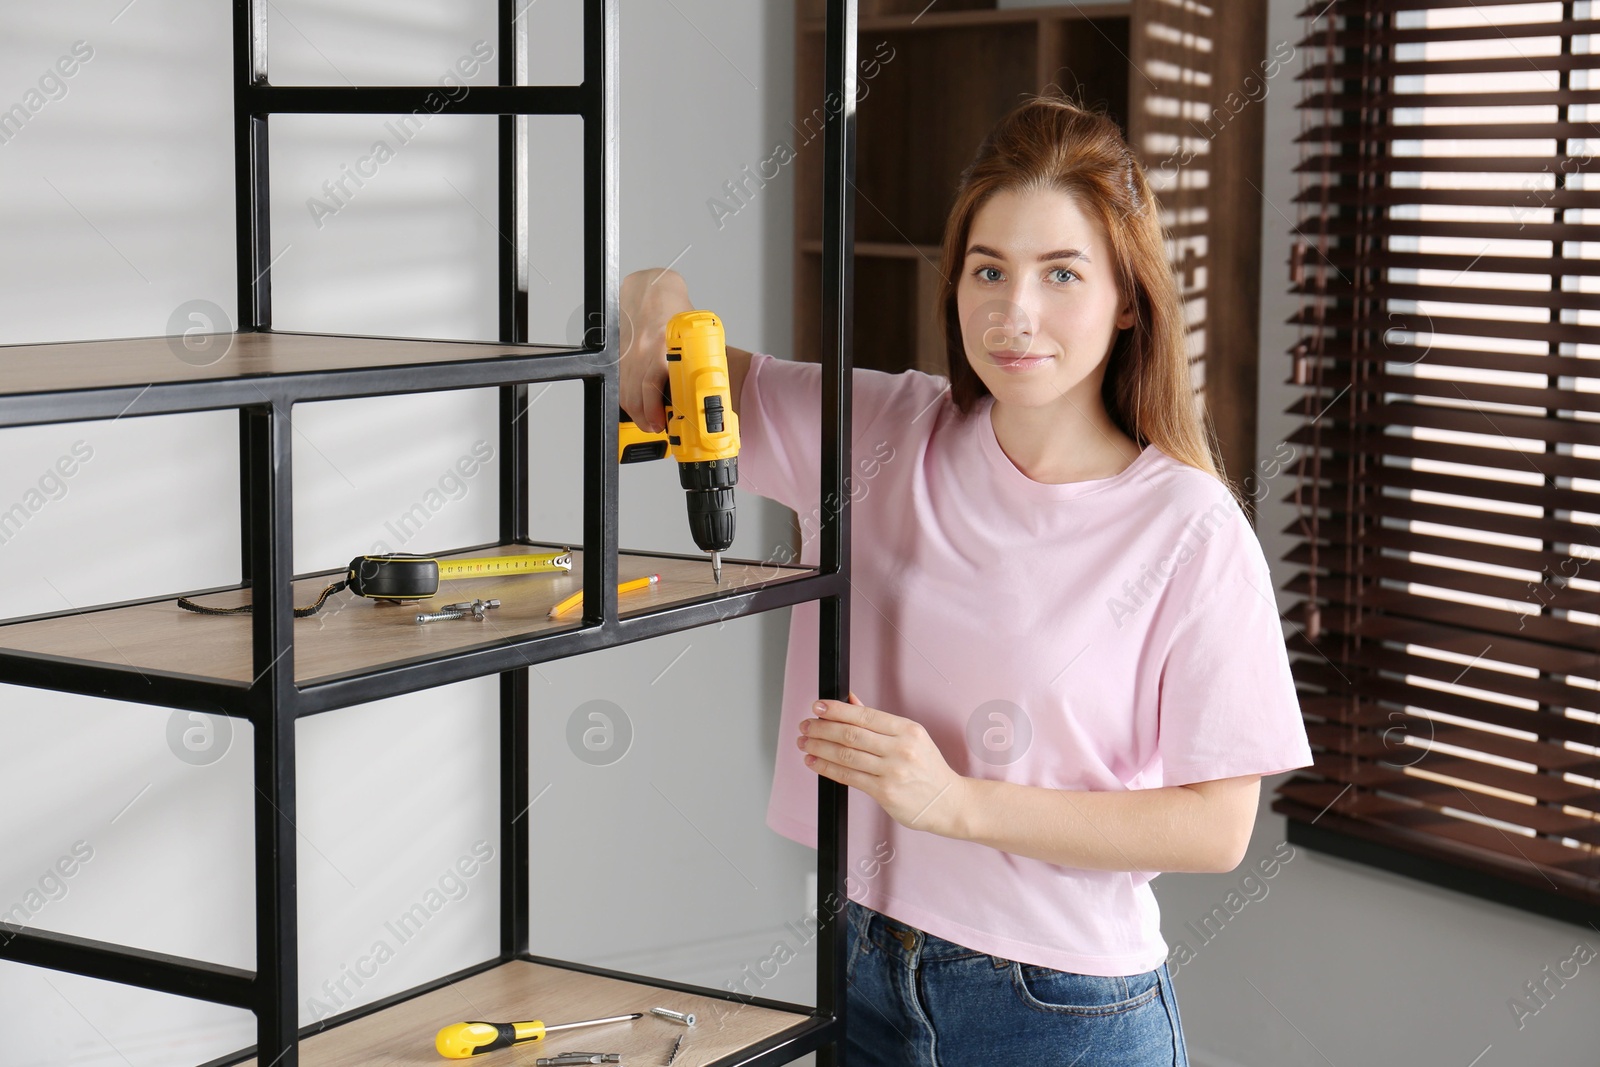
{"x": 1038, "y": 279}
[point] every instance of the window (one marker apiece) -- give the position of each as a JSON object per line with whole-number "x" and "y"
{"x": 1447, "y": 260}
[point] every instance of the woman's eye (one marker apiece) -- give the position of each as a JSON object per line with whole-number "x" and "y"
{"x": 1071, "y": 276}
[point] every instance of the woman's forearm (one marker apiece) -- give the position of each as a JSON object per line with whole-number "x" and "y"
{"x": 1198, "y": 826}
{"x": 1166, "y": 829}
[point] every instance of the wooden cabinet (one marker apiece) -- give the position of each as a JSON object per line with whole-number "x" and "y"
{"x": 932, "y": 79}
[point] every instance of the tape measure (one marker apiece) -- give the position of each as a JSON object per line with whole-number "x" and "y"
{"x": 408, "y": 576}
{"x": 404, "y": 576}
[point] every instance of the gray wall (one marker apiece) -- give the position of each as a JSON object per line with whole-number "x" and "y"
{"x": 116, "y": 213}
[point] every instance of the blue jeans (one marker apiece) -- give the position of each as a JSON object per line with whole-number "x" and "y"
{"x": 916, "y": 1000}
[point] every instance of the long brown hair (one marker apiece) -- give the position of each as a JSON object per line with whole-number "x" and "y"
{"x": 1050, "y": 142}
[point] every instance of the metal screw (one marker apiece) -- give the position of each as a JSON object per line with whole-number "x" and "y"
{"x": 668, "y": 1013}
{"x": 438, "y": 615}
{"x": 475, "y": 608}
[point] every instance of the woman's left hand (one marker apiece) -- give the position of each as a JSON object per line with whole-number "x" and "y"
{"x": 888, "y": 757}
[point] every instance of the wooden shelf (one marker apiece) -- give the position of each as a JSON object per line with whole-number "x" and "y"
{"x": 879, "y": 249}
{"x": 899, "y": 283}
{"x": 71, "y": 366}
{"x": 918, "y": 18}
{"x": 72, "y": 381}
{"x": 352, "y": 634}
{"x": 519, "y": 991}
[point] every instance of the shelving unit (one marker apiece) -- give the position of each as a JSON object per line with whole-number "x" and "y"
{"x": 271, "y": 669}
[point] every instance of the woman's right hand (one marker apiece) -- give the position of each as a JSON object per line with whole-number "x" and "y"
{"x": 649, "y": 299}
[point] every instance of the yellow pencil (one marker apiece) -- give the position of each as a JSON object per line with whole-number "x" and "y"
{"x": 623, "y": 587}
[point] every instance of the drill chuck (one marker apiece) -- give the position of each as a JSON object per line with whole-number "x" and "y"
{"x": 711, "y": 519}
{"x": 708, "y": 486}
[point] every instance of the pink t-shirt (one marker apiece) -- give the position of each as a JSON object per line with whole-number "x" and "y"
{"x": 1117, "y": 633}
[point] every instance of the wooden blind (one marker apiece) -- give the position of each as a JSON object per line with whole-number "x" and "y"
{"x": 1447, "y": 262}
{"x": 1172, "y": 121}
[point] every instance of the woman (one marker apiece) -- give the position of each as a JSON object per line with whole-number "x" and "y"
{"x": 1063, "y": 624}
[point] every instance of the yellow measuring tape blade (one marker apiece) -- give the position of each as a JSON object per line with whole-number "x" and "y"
{"x": 500, "y": 566}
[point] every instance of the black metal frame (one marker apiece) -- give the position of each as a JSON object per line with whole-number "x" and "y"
{"x": 273, "y": 703}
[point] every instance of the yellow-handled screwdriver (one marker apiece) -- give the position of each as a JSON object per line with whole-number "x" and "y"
{"x": 459, "y": 1041}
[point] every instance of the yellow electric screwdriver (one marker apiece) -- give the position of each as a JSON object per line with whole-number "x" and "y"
{"x": 702, "y": 431}
{"x": 459, "y": 1041}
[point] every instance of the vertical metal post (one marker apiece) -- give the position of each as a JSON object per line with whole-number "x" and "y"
{"x": 252, "y": 245}
{"x": 515, "y": 820}
{"x": 838, "y": 250}
{"x": 267, "y": 563}
{"x": 514, "y": 707}
{"x": 512, "y": 131}
{"x": 514, "y": 476}
{"x": 272, "y": 701}
{"x": 252, "y": 208}
{"x": 601, "y": 393}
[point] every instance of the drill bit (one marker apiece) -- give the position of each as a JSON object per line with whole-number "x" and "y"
{"x": 716, "y": 566}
